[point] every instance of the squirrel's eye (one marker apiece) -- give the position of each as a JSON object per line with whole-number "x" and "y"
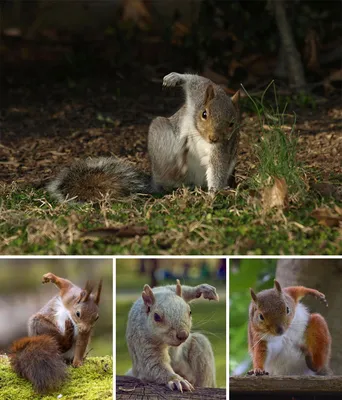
{"x": 190, "y": 312}
{"x": 157, "y": 317}
{"x": 231, "y": 124}
{"x": 78, "y": 314}
{"x": 261, "y": 317}
{"x": 204, "y": 114}
{"x": 287, "y": 310}
{"x": 97, "y": 318}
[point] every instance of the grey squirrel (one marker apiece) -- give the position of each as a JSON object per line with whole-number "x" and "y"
{"x": 160, "y": 342}
{"x": 196, "y": 146}
{"x": 284, "y": 338}
{"x": 59, "y": 332}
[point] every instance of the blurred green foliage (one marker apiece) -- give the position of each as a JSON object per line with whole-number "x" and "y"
{"x": 209, "y": 318}
{"x": 128, "y": 277}
{"x": 257, "y": 274}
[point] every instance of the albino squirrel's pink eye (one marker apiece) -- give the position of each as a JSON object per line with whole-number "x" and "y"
{"x": 157, "y": 317}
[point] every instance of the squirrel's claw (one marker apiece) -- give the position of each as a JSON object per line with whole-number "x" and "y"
{"x": 257, "y": 372}
{"x": 208, "y": 292}
{"x": 180, "y": 384}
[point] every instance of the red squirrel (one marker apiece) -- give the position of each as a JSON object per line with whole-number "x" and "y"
{"x": 283, "y": 337}
{"x": 58, "y": 332}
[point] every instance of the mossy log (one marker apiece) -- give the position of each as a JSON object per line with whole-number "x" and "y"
{"x": 94, "y": 380}
{"x": 133, "y": 389}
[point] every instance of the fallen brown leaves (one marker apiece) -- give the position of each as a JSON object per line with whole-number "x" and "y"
{"x": 328, "y": 217}
{"x": 275, "y": 196}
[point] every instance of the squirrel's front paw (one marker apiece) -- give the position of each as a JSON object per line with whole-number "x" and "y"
{"x": 180, "y": 384}
{"x": 49, "y": 277}
{"x": 208, "y": 292}
{"x": 257, "y": 372}
{"x": 172, "y": 79}
{"x": 77, "y": 363}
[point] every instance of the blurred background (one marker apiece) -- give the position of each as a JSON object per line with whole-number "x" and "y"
{"x": 234, "y": 40}
{"x": 324, "y": 275}
{"x": 208, "y": 318}
{"x": 22, "y": 294}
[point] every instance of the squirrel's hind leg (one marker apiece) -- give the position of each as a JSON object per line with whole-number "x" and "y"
{"x": 318, "y": 345}
{"x": 168, "y": 154}
{"x": 62, "y": 284}
{"x": 40, "y": 325}
{"x": 190, "y": 293}
{"x": 200, "y": 358}
{"x": 298, "y": 292}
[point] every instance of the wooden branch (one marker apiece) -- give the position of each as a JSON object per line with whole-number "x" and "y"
{"x": 132, "y": 388}
{"x": 286, "y": 384}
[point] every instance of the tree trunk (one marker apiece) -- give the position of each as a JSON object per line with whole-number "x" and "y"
{"x": 325, "y": 276}
{"x": 293, "y": 61}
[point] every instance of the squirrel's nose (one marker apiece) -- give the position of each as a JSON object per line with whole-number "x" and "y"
{"x": 182, "y": 335}
{"x": 279, "y": 330}
{"x": 213, "y": 139}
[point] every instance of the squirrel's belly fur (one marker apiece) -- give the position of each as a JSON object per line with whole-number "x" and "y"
{"x": 197, "y": 160}
{"x": 284, "y": 356}
{"x": 61, "y": 315}
{"x": 93, "y": 179}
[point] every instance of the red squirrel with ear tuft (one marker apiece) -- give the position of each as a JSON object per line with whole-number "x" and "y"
{"x": 283, "y": 337}
{"x": 59, "y": 332}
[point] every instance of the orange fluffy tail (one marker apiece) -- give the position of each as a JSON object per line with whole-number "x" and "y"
{"x": 38, "y": 360}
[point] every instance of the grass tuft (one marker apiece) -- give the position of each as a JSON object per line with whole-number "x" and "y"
{"x": 276, "y": 148}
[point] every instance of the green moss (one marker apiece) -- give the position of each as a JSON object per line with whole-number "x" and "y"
{"x": 94, "y": 380}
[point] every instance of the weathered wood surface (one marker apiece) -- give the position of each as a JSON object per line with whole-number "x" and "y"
{"x": 134, "y": 389}
{"x": 286, "y": 384}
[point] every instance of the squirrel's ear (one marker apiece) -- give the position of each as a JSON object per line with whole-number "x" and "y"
{"x": 148, "y": 296}
{"x": 178, "y": 289}
{"x": 209, "y": 94}
{"x": 254, "y": 296}
{"x": 236, "y": 99}
{"x": 98, "y": 293}
{"x": 85, "y": 293}
{"x": 277, "y": 286}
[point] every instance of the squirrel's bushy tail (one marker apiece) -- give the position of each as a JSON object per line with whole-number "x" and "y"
{"x": 38, "y": 360}
{"x": 92, "y": 179}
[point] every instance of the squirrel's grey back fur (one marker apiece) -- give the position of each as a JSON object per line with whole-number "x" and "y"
{"x": 92, "y": 179}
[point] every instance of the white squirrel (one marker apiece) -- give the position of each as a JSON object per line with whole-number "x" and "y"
{"x": 197, "y": 146}
{"x": 159, "y": 338}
